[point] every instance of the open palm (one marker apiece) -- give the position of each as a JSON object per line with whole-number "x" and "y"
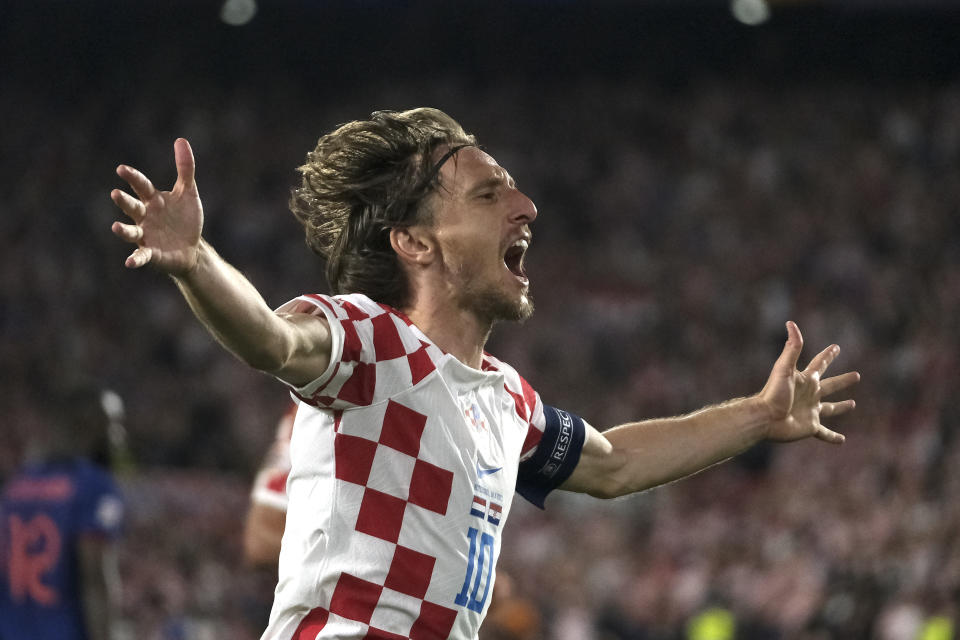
{"x": 793, "y": 397}
{"x": 166, "y": 224}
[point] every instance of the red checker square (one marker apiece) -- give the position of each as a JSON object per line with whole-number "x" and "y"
{"x": 533, "y": 438}
{"x": 353, "y": 311}
{"x": 529, "y": 395}
{"x": 379, "y": 634}
{"x": 352, "y": 345}
{"x": 355, "y": 599}
{"x": 277, "y": 482}
{"x": 402, "y": 428}
{"x": 381, "y": 515}
{"x": 430, "y": 487}
{"x": 353, "y": 458}
{"x": 359, "y": 387}
{"x": 410, "y": 572}
{"x": 311, "y": 624}
{"x": 420, "y": 364}
{"x": 519, "y": 404}
{"x": 434, "y": 623}
{"x": 386, "y": 339}
{"x": 396, "y": 312}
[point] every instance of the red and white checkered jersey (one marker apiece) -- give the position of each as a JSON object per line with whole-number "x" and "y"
{"x": 270, "y": 485}
{"x": 404, "y": 465}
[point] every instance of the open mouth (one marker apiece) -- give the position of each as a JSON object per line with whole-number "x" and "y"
{"x": 513, "y": 258}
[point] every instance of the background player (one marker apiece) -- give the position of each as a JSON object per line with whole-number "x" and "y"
{"x": 60, "y": 517}
{"x": 263, "y": 527}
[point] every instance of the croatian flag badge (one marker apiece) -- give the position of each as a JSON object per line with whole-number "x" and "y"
{"x": 479, "y": 507}
{"x": 493, "y": 515}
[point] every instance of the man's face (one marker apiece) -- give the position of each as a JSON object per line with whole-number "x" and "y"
{"x": 481, "y": 223}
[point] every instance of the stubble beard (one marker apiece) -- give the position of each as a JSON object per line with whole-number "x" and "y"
{"x": 491, "y": 304}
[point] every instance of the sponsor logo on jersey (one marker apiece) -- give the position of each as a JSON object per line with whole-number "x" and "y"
{"x": 481, "y": 472}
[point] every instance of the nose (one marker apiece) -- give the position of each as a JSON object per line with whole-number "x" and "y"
{"x": 523, "y": 210}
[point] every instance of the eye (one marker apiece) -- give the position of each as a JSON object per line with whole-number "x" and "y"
{"x": 488, "y": 195}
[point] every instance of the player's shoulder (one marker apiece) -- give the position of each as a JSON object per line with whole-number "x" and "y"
{"x": 511, "y": 376}
{"x": 347, "y": 306}
{"x": 525, "y": 397}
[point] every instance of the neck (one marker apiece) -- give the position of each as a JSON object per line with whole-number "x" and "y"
{"x": 457, "y": 331}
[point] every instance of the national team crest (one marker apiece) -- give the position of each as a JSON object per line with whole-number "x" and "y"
{"x": 474, "y": 416}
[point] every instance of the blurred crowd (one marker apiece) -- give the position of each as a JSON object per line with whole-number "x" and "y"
{"x": 679, "y": 229}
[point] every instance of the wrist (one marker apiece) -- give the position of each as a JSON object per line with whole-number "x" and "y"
{"x": 760, "y": 414}
{"x": 201, "y": 256}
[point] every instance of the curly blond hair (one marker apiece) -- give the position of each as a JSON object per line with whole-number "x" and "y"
{"x": 363, "y": 179}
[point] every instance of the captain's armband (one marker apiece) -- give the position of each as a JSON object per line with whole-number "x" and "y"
{"x": 556, "y": 456}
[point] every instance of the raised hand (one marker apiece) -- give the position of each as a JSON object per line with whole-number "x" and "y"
{"x": 166, "y": 224}
{"x": 793, "y": 397}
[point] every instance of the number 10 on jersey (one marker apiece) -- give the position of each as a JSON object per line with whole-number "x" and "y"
{"x": 479, "y": 571}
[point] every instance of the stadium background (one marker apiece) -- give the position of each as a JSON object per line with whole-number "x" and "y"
{"x": 699, "y": 182}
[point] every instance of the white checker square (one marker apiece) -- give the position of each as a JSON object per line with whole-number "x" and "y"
{"x": 391, "y": 472}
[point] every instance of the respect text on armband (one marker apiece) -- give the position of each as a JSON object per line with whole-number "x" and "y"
{"x": 562, "y": 444}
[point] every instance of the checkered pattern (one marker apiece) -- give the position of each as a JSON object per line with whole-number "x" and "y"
{"x": 401, "y": 476}
{"x": 379, "y": 468}
{"x": 355, "y": 599}
{"x": 385, "y": 476}
{"x": 395, "y": 359}
{"x": 526, "y": 403}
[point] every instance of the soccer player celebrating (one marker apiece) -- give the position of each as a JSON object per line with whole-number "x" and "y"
{"x": 410, "y": 440}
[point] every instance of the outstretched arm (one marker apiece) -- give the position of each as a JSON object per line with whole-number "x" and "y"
{"x": 167, "y": 227}
{"x": 640, "y": 455}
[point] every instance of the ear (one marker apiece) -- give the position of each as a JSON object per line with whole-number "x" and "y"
{"x": 414, "y": 245}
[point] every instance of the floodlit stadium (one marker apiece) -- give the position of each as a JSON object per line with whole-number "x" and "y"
{"x": 703, "y": 172}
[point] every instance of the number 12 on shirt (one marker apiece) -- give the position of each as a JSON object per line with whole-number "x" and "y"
{"x": 479, "y": 566}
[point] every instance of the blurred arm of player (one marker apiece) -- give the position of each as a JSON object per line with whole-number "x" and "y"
{"x": 262, "y": 533}
{"x": 167, "y": 227}
{"x": 267, "y": 516}
{"x": 99, "y": 585}
{"x": 640, "y": 455}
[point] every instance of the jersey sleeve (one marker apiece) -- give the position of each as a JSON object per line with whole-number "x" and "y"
{"x": 373, "y": 353}
{"x": 101, "y": 505}
{"x": 270, "y": 488}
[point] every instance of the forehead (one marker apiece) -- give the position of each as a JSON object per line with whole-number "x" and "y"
{"x": 469, "y": 167}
